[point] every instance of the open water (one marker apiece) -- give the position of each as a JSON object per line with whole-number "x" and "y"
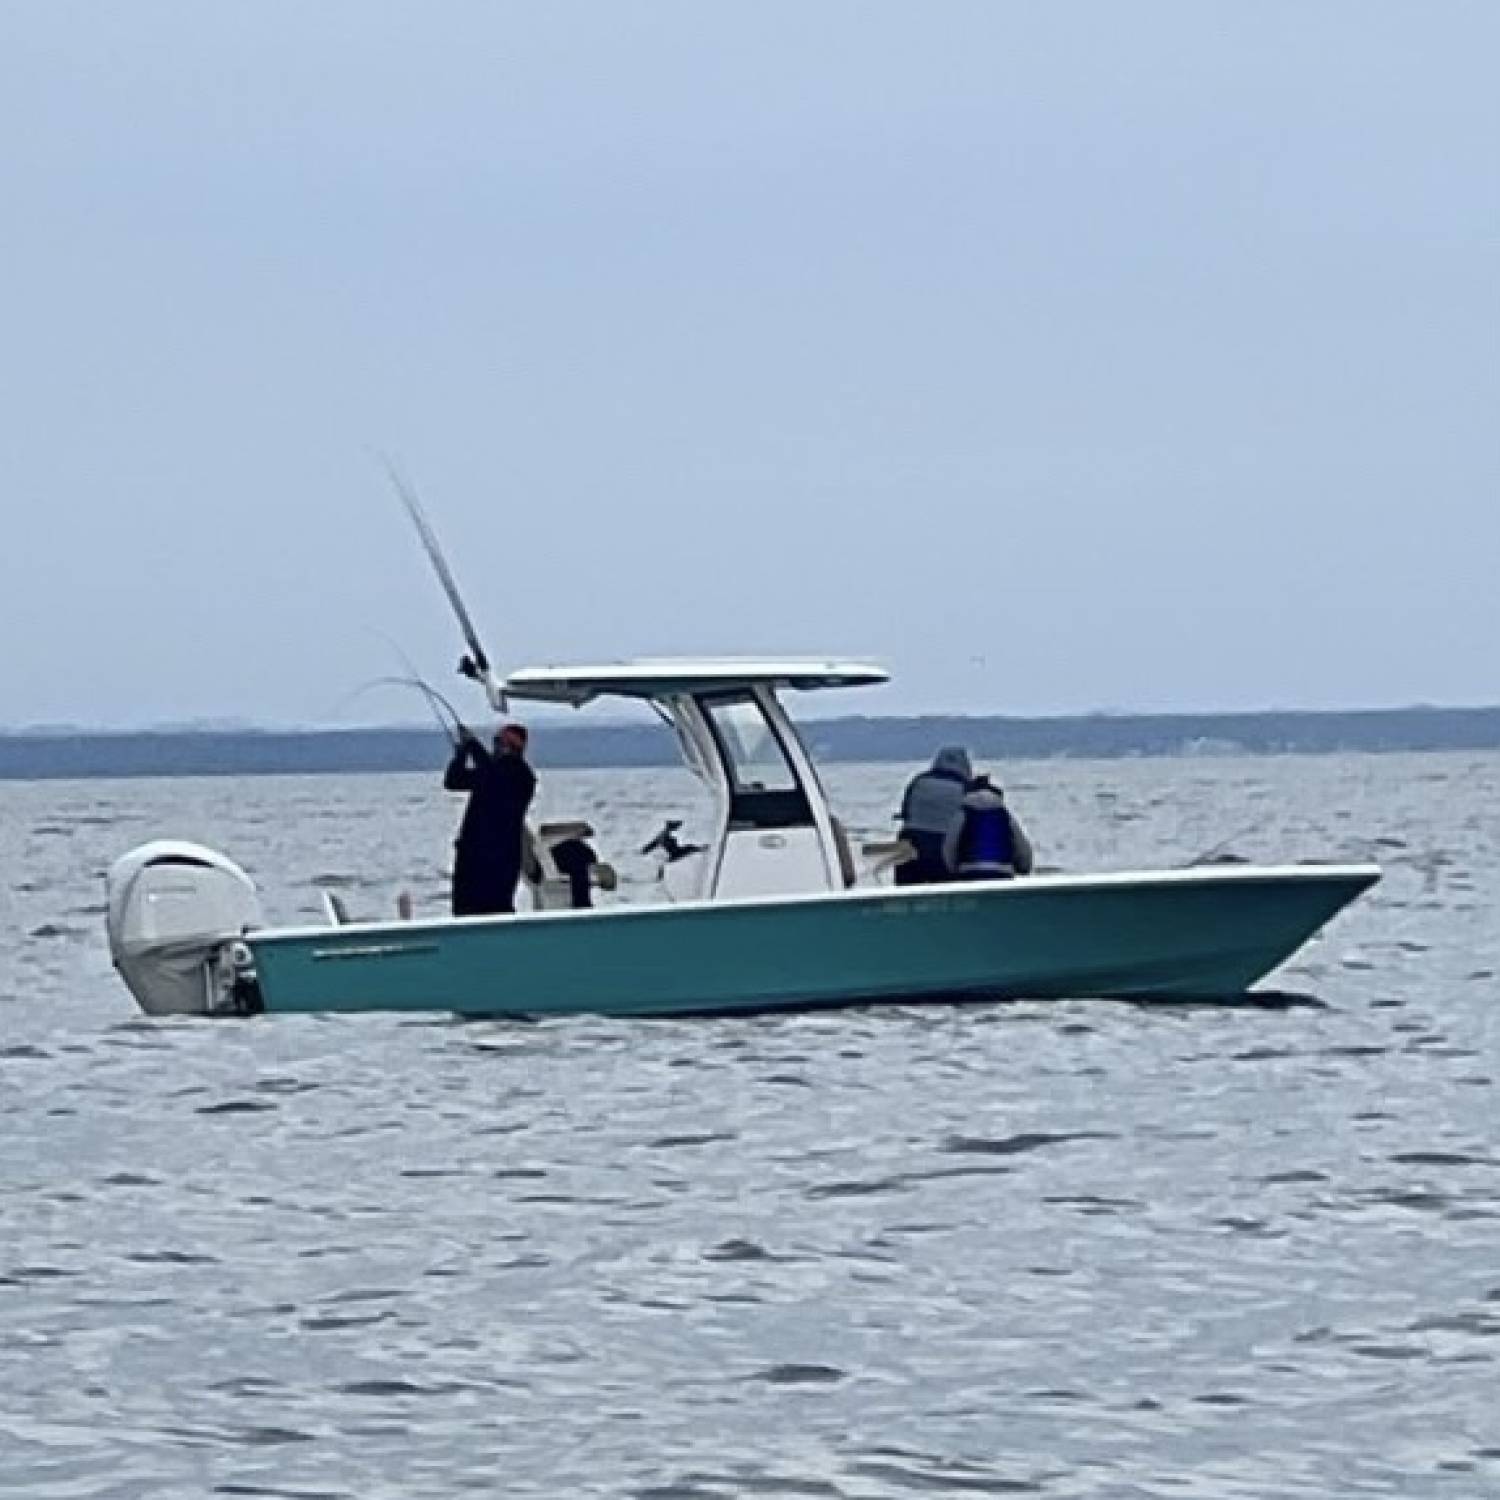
{"x": 1061, "y": 1250}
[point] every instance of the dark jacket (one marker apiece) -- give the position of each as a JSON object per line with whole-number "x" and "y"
{"x": 500, "y": 789}
{"x": 490, "y": 841}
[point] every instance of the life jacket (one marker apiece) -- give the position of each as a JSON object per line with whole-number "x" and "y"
{"x": 987, "y": 841}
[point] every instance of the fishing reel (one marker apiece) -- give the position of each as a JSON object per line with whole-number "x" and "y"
{"x": 476, "y": 668}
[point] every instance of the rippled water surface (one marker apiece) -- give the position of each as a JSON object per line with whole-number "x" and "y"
{"x": 1051, "y": 1249}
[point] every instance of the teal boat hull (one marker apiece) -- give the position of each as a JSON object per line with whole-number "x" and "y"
{"x": 1206, "y": 933}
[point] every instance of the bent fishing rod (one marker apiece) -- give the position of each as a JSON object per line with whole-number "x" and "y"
{"x": 454, "y": 729}
{"x": 443, "y": 711}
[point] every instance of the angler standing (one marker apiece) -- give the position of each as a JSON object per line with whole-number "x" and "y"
{"x": 488, "y": 852}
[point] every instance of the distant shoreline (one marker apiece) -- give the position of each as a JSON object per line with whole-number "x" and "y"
{"x": 97, "y": 754}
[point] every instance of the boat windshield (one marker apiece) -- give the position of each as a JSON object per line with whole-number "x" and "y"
{"x": 764, "y": 788}
{"x": 757, "y": 763}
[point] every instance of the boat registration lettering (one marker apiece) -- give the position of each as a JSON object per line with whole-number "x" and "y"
{"x": 374, "y": 950}
{"x": 928, "y": 907}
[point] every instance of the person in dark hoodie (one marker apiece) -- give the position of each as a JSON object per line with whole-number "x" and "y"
{"x": 985, "y": 840}
{"x": 928, "y": 809}
{"x": 488, "y": 852}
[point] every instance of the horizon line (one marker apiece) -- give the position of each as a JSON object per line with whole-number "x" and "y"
{"x": 571, "y": 720}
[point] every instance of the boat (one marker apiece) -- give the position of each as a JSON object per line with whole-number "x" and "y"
{"x": 773, "y": 909}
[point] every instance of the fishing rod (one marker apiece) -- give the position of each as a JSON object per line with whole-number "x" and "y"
{"x": 442, "y": 710}
{"x": 453, "y": 727}
{"x": 475, "y": 665}
{"x": 412, "y": 677}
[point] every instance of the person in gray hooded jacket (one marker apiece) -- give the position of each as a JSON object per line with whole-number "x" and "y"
{"x": 933, "y": 800}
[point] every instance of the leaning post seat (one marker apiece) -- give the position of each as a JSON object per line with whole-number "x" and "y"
{"x": 551, "y": 888}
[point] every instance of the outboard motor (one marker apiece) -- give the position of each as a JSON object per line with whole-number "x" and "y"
{"x": 176, "y": 914}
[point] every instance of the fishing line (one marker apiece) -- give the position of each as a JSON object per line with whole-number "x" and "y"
{"x": 414, "y": 678}
{"x": 1209, "y": 855}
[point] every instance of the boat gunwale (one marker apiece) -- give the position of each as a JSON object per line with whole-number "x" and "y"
{"x": 1360, "y": 876}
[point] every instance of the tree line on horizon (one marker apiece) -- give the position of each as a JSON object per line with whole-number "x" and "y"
{"x": 240, "y": 752}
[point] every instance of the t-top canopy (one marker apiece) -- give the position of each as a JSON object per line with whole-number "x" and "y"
{"x": 665, "y": 679}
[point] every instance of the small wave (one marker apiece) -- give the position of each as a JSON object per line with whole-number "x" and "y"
{"x": 271, "y": 1437}
{"x": 1014, "y": 1145}
{"x": 856, "y": 1188}
{"x": 386, "y": 1388}
{"x": 740, "y": 1250}
{"x": 1442, "y": 1159}
{"x": 285, "y": 1086}
{"x": 1419, "y": 1202}
{"x": 260, "y": 1492}
{"x": 938, "y": 1475}
{"x": 1091, "y": 1203}
{"x": 329, "y": 1324}
{"x": 1479, "y": 1324}
{"x": 20, "y": 1275}
{"x": 795, "y": 1374}
{"x": 1238, "y": 1225}
{"x": 246, "y": 1385}
{"x": 672, "y": 1142}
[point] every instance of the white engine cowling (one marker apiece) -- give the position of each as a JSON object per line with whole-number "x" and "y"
{"x": 176, "y": 912}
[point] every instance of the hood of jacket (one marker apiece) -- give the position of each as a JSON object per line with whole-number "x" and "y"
{"x": 953, "y": 760}
{"x": 933, "y": 798}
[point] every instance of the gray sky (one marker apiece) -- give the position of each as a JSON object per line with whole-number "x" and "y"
{"x": 1062, "y": 356}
